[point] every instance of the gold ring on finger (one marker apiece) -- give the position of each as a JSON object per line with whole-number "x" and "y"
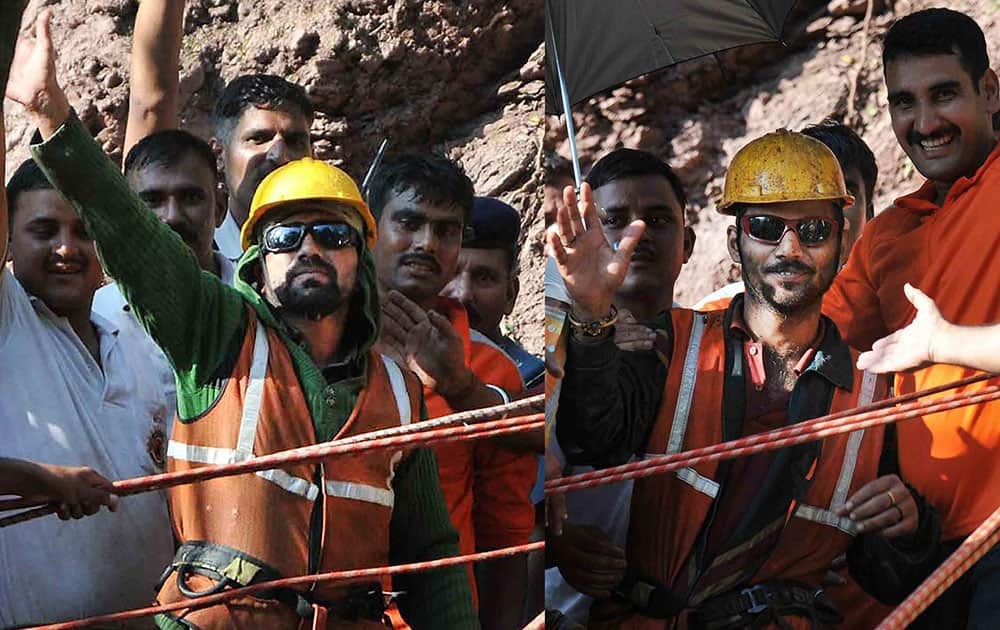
{"x": 892, "y": 499}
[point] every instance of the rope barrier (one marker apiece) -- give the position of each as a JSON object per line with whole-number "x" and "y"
{"x": 309, "y": 454}
{"x": 807, "y": 431}
{"x": 355, "y": 575}
{"x": 968, "y": 553}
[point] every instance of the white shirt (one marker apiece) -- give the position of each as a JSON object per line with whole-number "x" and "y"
{"x": 58, "y": 406}
{"x": 607, "y": 507}
{"x": 110, "y": 304}
{"x": 227, "y": 239}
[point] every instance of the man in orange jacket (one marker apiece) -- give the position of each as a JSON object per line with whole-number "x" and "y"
{"x": 943, "y": 240}
{"x": 423, "y": 204}
{"x": 747, "y": 541}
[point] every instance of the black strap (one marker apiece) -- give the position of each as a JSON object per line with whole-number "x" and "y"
{"x": 361, "y": 601}
{"x": 768, "y": 602}
{"x": 649, "y": 598}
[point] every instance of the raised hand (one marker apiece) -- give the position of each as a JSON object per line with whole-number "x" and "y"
{"x": 32, "y": 81}
{"x": 426, "y": 343}
{"x": 910, "y": 347}
{"x": 590, "y": 267}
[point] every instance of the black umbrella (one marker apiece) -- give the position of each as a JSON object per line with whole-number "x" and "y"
{"x": 594, "y": 45}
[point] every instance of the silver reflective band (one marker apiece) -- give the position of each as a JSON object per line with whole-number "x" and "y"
{"x": 360, "y": 492}
{"x": 686, "y": 393}
{"x": 398, "y": 384}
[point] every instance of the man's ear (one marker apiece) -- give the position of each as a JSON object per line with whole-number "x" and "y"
{"x": 513, "y": 288}
{"x": 221, "y": 204}
{"x": 689, "y": 239}
{"x": 732, "y": 243}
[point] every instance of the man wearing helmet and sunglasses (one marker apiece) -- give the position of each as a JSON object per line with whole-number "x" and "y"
{"x": 747, "y": 541}
{"x": 282, "y": 359}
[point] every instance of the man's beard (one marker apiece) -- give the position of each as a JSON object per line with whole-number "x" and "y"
{"x": 790, "y": 302}
{"x": 313, "y": 301}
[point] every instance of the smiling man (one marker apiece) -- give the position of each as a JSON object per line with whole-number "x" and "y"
{"x": 943, "y": 240}
{"x": 768, "y": 524}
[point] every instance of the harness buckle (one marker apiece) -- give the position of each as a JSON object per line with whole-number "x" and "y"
{"x": 756, "y": 605}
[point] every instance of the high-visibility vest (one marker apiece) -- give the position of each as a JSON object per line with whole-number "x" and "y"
{"x": 669, "y": 511}
{"x": 267, "y": 515}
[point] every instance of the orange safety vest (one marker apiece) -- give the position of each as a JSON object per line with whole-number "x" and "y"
{"x": 267, "y": 515}
{"x": 669, "y": 511}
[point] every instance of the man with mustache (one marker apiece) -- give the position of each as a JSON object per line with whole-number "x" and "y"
{"x": 943, "y": 240}
{"x": 281, "y": 360}
{"x": 261, "y": 121}
{"x": 175, "y": 174}
{"x": 423, "y": 203}
{"x": 75, "y": 391}
{"x": 629, "y": 185}
{"x": 744, "y": 542}
{"x": 857, "y": 162}
{"x": 486, "y": 281}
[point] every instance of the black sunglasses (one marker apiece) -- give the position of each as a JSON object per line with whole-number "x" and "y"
{"x": 770, "y": 229}
{"x": 286, "y": 237}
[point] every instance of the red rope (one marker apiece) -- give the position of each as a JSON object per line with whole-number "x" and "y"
{"x": 826, "y": 426}
{"x": 308, "y": 454}
{"x": 304, "y": 581}
{"x": 968, "y": 553}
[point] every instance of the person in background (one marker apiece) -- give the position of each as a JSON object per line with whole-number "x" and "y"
{"x": 486, "y": 280}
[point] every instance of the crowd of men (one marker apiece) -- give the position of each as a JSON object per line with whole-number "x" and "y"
{"x": 837, "y": 308}
{"x": 289, "y": 310}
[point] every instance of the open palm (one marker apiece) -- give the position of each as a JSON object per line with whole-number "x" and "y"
{"x": 590, "y": 267}
{"x": 32, "y": 81}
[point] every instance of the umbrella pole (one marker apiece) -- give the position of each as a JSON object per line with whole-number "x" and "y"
{"x": 568, "y": 113}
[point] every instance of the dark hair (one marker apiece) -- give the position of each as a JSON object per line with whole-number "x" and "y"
{"x": 263, "y": 91}
{"x": 27, "y": 177}
{"x": 433, "y": 178}
{"x": 851, "y": 151}
{"x": 939, "y": 32}
{"x": 167, "y": 147}
{"x": 622, "y": 163}
{"x": 556, "y": 169}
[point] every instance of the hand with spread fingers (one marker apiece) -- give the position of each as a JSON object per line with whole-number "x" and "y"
{"x": 590, "y": 267}
{"x": 884, "y": 507}
{"x": 630, "y": 335}
{"x": 910, "y": 347}
{"x": 33, "y": 81}
{"x": 425, "y": 342}
{"x": 588, "y": 559}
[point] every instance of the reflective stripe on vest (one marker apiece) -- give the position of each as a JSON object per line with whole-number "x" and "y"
{"x": 678, "y": 429}
{"x": 248, "y": 420}
{"x": 398, "y": 390}
{"x": 829, "y": 516}
{"x": 248, "y": 433}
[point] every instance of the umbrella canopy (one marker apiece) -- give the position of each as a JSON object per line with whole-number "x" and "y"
{"x": 603, "y": 43}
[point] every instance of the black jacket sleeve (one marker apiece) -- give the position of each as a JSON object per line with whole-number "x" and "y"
{"x": 607, "y": 402}
{"x": 890, "y": 569}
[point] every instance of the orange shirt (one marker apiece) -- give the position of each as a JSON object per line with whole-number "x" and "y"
{"x": 486, "y": 487}
{"x": 950, "y": 253}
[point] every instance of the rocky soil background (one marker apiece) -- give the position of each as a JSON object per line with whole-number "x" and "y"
{"x": 698, "y": 114}
{"x": 465, "y": 78}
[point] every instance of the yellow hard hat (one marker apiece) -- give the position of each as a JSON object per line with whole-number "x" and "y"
{"x": 783, "y": 166}
{"x": 307, "y": 180}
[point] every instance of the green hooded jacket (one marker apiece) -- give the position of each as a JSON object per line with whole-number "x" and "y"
{"x": 200, "y": 324}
